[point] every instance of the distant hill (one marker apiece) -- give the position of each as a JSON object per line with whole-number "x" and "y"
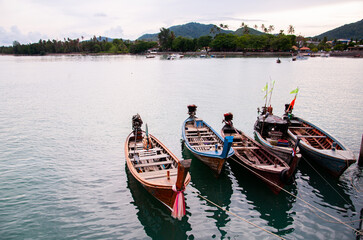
{"x": 101, "y": 38}
{"x": 347, "y": 31}
{"x": 189, "y": 30}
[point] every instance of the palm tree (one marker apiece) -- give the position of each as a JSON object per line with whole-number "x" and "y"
{"x": 291, "y": 29}
{"x": 215, "y": 29}
{"x": 263, "y": 27}
{"x": 223, "y": 26}
{"x": 246, "y": 30}
{"x": 271, "y": 28}
{"x": 255, "y": 27}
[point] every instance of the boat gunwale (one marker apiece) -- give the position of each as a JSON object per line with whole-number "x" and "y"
{"x": 287, "y": 150}
{"x": 327, "y": 134}
{"x": 259, "y": 166}
{"x": 204, "y": 154}
{"x": 137, "y": 175}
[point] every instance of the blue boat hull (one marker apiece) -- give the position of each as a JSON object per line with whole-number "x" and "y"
{"x": 214, "y": 159}
{"x": 333, "y": 161}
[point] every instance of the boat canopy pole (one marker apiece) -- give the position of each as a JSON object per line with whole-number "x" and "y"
{"x": 228, "y": 140}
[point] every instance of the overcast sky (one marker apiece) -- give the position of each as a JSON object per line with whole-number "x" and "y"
{"x": 30, "y": 20}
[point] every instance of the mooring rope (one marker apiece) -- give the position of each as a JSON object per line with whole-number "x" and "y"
{"x": 327, "y": 182}
{"x": 353, "y": 221}
{"x": 356, "y": 189}
{"x": 243, "y": 219}
{"x": 310, "y": 205}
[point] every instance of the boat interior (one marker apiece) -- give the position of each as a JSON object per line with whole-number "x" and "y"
{"x": 201, "y": 137}
{"x": 274, "y": 130}
{"x": 312, "y": 136}
{"x": 246, "y": 148}
{"x": 150, "y": 160}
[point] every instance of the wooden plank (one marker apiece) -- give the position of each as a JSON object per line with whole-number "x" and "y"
{"x": 245, "y": 148}
{"x": 158, "y": 174}
{"x": 301, "y": 128}
{"x": 150, "y": 150}
{"x": 308, "y": 136}
{"x": 154, "y": 157}
{"x": 152, "y": 164}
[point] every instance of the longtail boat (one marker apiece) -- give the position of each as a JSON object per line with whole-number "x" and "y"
{"x": 258, "y": 160}
{"x": 271, "y": 132}
{"x": 156, "y": 168}
{"x": 319, "y": 146}
{"x": 204, "y": 142}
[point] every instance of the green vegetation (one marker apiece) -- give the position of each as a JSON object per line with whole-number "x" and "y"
{"x": 215, "y": 38}
{"x": 95, "y": 45}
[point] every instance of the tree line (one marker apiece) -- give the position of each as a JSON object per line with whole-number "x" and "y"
{"x": 167, "y": 41}
{"x": 94, "y": 45}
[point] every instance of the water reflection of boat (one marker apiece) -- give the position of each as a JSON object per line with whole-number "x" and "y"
{"x": 205, "y": 143}
{"x": 326, "y": 187}
{"x": 275, "y": 209}
{"x": 218, "y": 190}
{"x": 153, "y": 217}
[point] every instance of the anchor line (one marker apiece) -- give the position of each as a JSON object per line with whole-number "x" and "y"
{"x": 310, "y": 205}
{"x": 245, "y": 220}
{"x": 327, "y": 182}
{"x": 356, "y": 189}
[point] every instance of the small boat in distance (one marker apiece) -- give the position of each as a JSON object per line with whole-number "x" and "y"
{"x": 271, "y": 132}
{"x": 278, "y": 60}
{"x": 265, "y": 165}
{"x": 156, "y": 168}
{"x": 319, "y": 146}
{"x": 204, "y": 142}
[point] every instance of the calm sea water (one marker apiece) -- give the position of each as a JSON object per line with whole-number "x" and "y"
{"x": 64, "y": 120}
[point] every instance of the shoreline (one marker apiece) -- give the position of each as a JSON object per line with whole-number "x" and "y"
{"x": 356, "y": 53}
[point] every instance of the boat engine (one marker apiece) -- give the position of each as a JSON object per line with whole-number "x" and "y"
{"x": 228, "y": 117}
{"x": 136, "y": 123}
{"x": 192, "y": 109}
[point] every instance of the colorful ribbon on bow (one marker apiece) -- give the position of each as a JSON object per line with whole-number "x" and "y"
{"x": 179, "y": 204}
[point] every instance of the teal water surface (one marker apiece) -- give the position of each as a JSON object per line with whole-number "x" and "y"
{"x": 64, "y": 120}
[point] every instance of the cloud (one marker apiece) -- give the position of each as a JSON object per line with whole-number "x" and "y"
{"x": 14, "y": 34}
{"x": 100, "y": 15}
{"x": 115, "y": 32}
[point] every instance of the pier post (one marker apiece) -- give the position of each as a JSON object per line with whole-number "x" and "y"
{"x": 360, "y": 159}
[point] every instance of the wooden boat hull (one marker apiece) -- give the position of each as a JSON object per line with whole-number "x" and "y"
{"x": 165, "y": 195}
{"x": 258, "y": 160}
{"x": 216, "y": 164}
{"x": 214, "y": 159}
{"x": 273, "y": 178}
{"x": 333, "y": 161}
{"x": 162, "y": 188}
{"x": 283, "y": 152}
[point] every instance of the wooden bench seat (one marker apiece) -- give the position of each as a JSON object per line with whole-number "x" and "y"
{"x": 158, "y": 174}
{"x": 245, "y": 148}
{"x": 152, "y": 164}
{"x": 156, "y": 156}
{"x": 150, "y": 150}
